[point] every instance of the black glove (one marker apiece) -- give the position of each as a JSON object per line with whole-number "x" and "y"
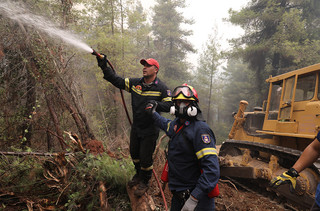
{"x": 287, "y": 177}
{"x": 151, "y": 107}
{"x": 102, "y": 62}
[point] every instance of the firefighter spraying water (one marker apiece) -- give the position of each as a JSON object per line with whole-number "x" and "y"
{"x": 144, "y": 133}
{"x": 276, "y": 133}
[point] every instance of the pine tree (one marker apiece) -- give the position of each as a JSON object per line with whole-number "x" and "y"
{"x": 170, "y": 40}
{"x": 207, "y": 78}
{"x": 279, "y": 37}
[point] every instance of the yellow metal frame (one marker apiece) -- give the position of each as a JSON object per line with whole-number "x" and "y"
{"x": 290, "y": 126}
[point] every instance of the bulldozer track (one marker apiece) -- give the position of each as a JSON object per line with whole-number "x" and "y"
{"x": 287, "y": 158}
{"x": 282, "y": 152}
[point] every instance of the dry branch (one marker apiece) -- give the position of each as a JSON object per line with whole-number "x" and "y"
{"x": 33, "y": 154}
{"x": 155, "y": 154}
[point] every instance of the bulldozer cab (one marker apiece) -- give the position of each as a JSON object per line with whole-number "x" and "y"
{"x": 293, "y": 106}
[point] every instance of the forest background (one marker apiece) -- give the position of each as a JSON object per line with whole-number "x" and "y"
{"x": 48, "y": 87}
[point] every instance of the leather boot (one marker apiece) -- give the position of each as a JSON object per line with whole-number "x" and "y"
{"x": 134, "y": 181}
{"x": 143, "y": 184}
{"x": 141, "y": 189}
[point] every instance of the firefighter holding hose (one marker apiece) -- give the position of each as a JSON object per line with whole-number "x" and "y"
{"x": 144, "y": 133}
{"x": 192, "y": 157}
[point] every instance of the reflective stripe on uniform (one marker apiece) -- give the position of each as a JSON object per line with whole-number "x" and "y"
{"x": 168, "y": 127}
{"x": 147, "y": 169}
{"x": 206, "y": 151}
{"x": 151, "y": 93}
{"x": 166, "y": 99}
{"x": 136, "y": 160}
{"x": 127, "y": 84}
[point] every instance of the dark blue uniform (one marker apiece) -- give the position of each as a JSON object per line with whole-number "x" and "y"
{"x": 144, "y": 132}
{"x": 140, "y": 96}
{"x": 191, "y": 149}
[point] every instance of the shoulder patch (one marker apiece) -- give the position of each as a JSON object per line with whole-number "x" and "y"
{"x": 139, "y": 87}
{"x": 205, "y": 138}
{"x": 169, "y": 93}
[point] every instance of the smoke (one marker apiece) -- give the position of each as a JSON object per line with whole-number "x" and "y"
{"x": 19, "y": 13}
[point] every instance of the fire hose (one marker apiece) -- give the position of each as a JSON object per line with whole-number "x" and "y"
{"x": 129, "y": 119}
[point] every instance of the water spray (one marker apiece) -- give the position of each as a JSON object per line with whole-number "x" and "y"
{"x": 19, "y": 12}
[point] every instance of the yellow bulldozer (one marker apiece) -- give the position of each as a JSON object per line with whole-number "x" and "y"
{"x": 267, "y": 141}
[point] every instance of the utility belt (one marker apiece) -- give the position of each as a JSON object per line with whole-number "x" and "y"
{"x": 182, "y": 195}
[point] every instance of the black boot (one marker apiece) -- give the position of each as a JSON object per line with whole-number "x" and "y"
{"x": 143, "y": 186}
{"x": 136, "y": 178}
{"x": 134, "y": 181}
{"x": 141, "y": 189}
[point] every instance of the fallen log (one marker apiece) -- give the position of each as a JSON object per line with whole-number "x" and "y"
{"x": 143, "y": 203}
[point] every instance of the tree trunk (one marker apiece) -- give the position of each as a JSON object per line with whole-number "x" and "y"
{"x": 55, "y": 121}
{"x": 27, "y": 128}
{"x": 210, "y": 93}
{"x": 83, "y": 133}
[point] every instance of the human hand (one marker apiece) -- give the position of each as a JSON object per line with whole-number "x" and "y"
{"x": 289, "y": 176}
{"x": 151, "y": 107}
{"x": 190, "y": 204}
{"x": 102, "y": 61}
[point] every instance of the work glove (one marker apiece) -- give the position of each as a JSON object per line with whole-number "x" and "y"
{"x": 151, "y": 107}
{"x": 289, "y": 176}
{"x": 102, "y": 62}
{"x": 190, "y": 204}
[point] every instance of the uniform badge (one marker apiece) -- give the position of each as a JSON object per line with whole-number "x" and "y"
{"x": 187, "y": 123}
{"x": 139, "y": 87}
{"x": 169, "y": 93}
{"x": 205, "y": 138}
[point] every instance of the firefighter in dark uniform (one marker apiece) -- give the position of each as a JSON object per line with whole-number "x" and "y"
{"x": 144, "y": 133}
{"x": 192, "y": 156}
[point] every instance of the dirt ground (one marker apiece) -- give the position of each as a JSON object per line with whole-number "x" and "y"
{"x": 235, "y": 199}
{"x": 231, "y": 198}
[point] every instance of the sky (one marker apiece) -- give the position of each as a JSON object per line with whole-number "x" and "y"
{"x": 208, "y": 16}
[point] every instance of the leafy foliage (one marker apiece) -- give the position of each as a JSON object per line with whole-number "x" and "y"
{"x": 85, "y": 180}
{"x": 23, "y": 178}
{"x": 278, "y": 37}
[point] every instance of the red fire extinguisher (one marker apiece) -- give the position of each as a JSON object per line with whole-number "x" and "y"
{"x": 164, "y": 175}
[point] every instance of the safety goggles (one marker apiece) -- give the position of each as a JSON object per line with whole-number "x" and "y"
{"x": 184, "y": 90}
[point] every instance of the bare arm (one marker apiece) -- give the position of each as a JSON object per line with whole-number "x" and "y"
{"x": 308, "y": 156}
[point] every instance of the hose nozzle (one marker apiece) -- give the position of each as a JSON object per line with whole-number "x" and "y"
{"x": 97, "y": 54}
